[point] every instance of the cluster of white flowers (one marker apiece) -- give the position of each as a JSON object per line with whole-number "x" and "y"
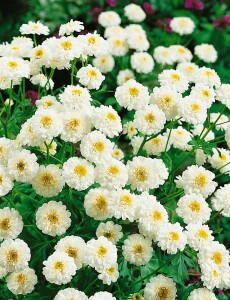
{"x": 70, "y": 143}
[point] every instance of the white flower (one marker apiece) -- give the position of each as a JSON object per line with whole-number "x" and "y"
{"x": 142, "y": 62}
{"x": 227, "y": 135}
{"x": 22, "y": 282}
{"x": 129, "y": 129}
{"x": 76, "y": 124}
{"x": 27, "y": 136}
{"x": 188, "y": 69}
{"x": 193, "y": 209}
{"x": 11, "y": 223}
{"x": 100, "y": 253}
{"x": 48, "y": 181}
{"x": 200, "y": 157}
{"x": 220, "y": 160}
{"x": 96, "y": 147}
{"x": 98, "y": 204}
{"x": 182, "y": 25}
{"x": 215, "y": 253}
{"x": 111, "y": 174}
{"x": 22, "y": 165}
{"x": 222, "y": 123}
{"x": 149, "y": 120}
{"x": 180, "y": 138}
{"x": 53, "y": 218}
{"x": 109, "y": 18}
{"x": 48, "y": 102}
{"x": 102, "y": 296}
{"x": 107, "y": 120}
{"x": 167, "y": 100}
{"x": 213, "y": 276}
{"x": 93, "y": 44}
{"x": 151, "y": 214}
{"x": 171, "y": 238}
{"x": 196, "y": 179}
{"x": 118, "y": 45}
{"x": 181, "y": 53}
{"x": 104, "y": 63}
{"x": 13, "y": 69}
{"x": 34, "y": 28}
{"x": 59, "y": 268}
{"x": 206, "y": 52}
{"x": 132, "y": 95}
{"x": 70, "y": 293}
{"x": 223, "y": 94}
{"x": 114, "y": 31}
{"x": 164, "y": 55}
{"x": 76, "y": 97}
{"x": 43, "y": 81}
{"x": 136, "y": 142}
{"x": 78, "y": 173}
{"x": 173, "y": 79}
{"x": 113, "y": 232}
{"x": 5, "y": 149}
{"x": 160, "y": 287}
{"x": 146, "y": 173}
{"x": 207, "y": 76}
{"x": 202, "y": 294}
{"x": 124, "y": 205}
{"x": 71, "y": 27}
{"x": 75, "y": 247}
{"x": 157, "y": 145}
{"x": 193, "y": 110}
{"x": 90, "y": 77}
{"x": 6, "y": 183}
{"x": 137, "y": 41}
{"x": 124, "y": 75}
{"x": 134, "y": 13}
{"x": 117, "y": 153}
{"x": 14, "y": 255}
{"x": 108, "y": 275}
{"x": 204, "y": 93}
{"x": 3, "y": 272}
{"x": 46, "y": 123}
{"x": 137, "y": 250}
{"x": 220, "y": 201}
{"x": 199, "y": 236}
{"x": 68, "y": 48}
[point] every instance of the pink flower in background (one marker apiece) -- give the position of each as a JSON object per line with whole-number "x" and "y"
{"x": 112, "y": 3}
{"x": 164, "y": 24}
{"x": 32, "y": 95}
{"x": 148, "y": 8}
{"x": 222, "y": 23}
{"x": 194, "y": 4}
{"x": 95, "y": 12}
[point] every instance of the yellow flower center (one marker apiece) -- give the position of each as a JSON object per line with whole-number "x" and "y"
{"x": 150, "y": 118}
{"x": 103, "y": 61}
{"x": 138, "y": 249}
{"x": 12, "y": 64}
{"x": 215, "y": 273}
{"x": 53, "y": 217}
{"x": 157, "y": 216}
{"x": 174, "y": 236}
{"x": 110, "y": 271}
{"x": 5, "y": 224}
{"x": 189, "y": 68}
{"x": 101, "y": 202}
{"x": 175, "y": 76}
{"x": 76, "y": 92}
{"x": 102, "y": 251}
{"x": 155, "y": 141}
{"x": 1, "y": 179}
{"x": 208, "y": 73}
{"x": 111, "y": 116}
{"x": 181, "y": 50}
{"x": 1, "y": 150}
{"x": 126, "y": 200}
{"x": 99, "y": 146}
{"x": 21, "y": 166}
{"x": 223, "y": 157}
{"x": 92, "y": 40}
{"x": 200, "y": 181}
{"x": 205, "y": 93}
{"x": 14, "y": 48}
{"x": 59, "y": 266}
{"x": 47, "y": 180}
{"x": 92, "y": 73}
{"x": 108, "y": 234}
{"x": 118, "y": 43}
{"x": 39, "y": 53}
{"x": 12, "y": 256}
{"x": 195, "y": 107}
{"x": 21, "y": 279}
{"x": 81, "y": 170}
{"x": 141, "y": 174}
{"x": 67, "y": 45}
{"x": 46, "y": 121}
{"x": 183, "y": 22}
{"x": 113, "y": 170}
{"x": 162, "y": 293}
{"x": 134, "y": 92}
{"x": 195, "y": 206}
{"x": 73, "y": 124}
{"x": 202, "y": 234}
{"x": 48, "y": 103}
{"x": 217, "y": 258}
{"x": 72, "y": 252}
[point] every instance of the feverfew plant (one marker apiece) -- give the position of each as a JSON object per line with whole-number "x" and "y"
{"x": 114, "y": 184}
